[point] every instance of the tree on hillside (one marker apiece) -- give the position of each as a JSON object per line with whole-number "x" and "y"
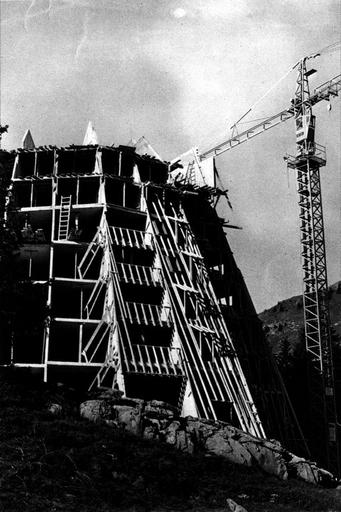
{"x": 22, "y": 302}
{"x": 9, "y": 250}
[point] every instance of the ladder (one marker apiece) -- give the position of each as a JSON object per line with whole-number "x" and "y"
{"x": 64, "y": 217}
{"x": 190, "y": 174}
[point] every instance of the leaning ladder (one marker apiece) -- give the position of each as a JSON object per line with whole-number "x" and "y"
{"x": 64, "y": 218}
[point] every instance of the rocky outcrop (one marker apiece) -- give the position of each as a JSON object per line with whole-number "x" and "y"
{"x": 232, "y": 506}
{"x": 161, "y": 422}
{"x": 55, "y": 409}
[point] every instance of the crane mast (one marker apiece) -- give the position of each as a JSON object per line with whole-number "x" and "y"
{"x": 309, "y": 157}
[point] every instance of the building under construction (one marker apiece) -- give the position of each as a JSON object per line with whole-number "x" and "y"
{"x": 139, "y": 287}
{"x": 127, "y": 279}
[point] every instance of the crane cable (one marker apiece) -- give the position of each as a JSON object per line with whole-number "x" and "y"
{"x": 330, "y": 48}
{"x": 262, "y": 97}
{"x": 327, "y": 49}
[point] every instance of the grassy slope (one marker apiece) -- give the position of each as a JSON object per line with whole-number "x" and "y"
{"x": 67, "y": 464}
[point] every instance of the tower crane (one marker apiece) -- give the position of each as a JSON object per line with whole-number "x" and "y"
{"x": 309, "y": 157}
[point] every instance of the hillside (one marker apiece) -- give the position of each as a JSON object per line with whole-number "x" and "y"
{"x": 285, "y": 320}
{"x": 284, "y": 328}
{"x": 51, "y": 463}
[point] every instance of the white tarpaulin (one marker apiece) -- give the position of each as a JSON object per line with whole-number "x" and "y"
{"x": 90, "y": 137}
{"x": 193, "y": 171}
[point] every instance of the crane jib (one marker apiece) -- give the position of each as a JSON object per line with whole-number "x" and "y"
{"x": 323, "y": 92}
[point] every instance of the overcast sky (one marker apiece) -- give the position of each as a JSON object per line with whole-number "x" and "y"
{"x": 180, "y": 73}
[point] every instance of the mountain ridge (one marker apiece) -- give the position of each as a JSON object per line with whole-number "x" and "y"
{"x": 286, "y": 319}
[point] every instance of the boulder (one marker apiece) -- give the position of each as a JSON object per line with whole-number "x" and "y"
{"x": 156, "y": 408}
{"x": 129, "y": 417}
{"x": 307, "y": 472}
{"x": 234, "y": 507}
{"x": 55, "y": 409}
{"x": 184, "y": 441}
{"x": 200, "y": 428}
{"x": 304, "y": 470}
{"x": 220, "y": 444}
{"x": 94, "y": 410}
{"x": 327, "y": 479}
{"x": 170, "y": 433}
{"x": 268, "y": 457}
{"x": 150, "y": 432}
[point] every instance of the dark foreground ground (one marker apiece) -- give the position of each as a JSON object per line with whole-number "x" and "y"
{"x": 50, "y": 463}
